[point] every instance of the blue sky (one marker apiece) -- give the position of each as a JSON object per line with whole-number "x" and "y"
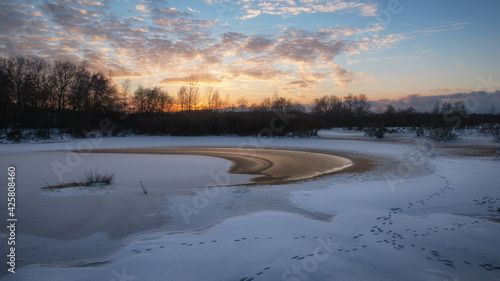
{"x": 302, "y": 49}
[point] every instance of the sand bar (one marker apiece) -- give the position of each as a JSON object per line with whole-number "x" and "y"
{"x": 271, "y": 165}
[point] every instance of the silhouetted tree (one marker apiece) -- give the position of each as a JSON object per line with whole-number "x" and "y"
{"x": 80, "y": 86}
{"x": 217, "y": 102}
{"x": 63, "y": 73}
{"x": 182, "y": 97}
{"x": 329, "y": 108}
{"x": 152, "y": 100}
{"x": 192, "y": 93}
{"x": 125, "y": 89}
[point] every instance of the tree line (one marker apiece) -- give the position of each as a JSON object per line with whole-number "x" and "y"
{"x": 65, "y": 97}
{"x": 36, "y": 94}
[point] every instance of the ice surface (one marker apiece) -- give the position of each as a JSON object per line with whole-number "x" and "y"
{"x": 438, "y": 221}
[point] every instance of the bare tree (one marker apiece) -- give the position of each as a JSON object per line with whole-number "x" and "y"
{"x": 446, "y": 108}
{"x": 182, "y": 97}
{"x": 329, "y": 107}
{"x": 80, "y": 86}
{"x": 125, "y": 88}
{"x": 242, "y": 102}
{"x": 361, "y": 104}
{"x": 217, "y": 102}
{"x": 349, "y": 101}
{"x": 226, "y": 103}
{"x": 15, "y": 70}
{"x": 266, "y": 104}
{"x": 45, "y": 89}
{"x": 24, "y": 74}
{"x": 391, "y": 110}
{"x": 435, "y": 109}
{"x": 192, "y": 86}
{"x": 165, "y": 102}
{"x": 103, "y": 94}
{"x": 209, "y": 96}
{"x": 140, "y": 98}
{"x": 281, "y": 104}
{"x": 63, "y": 73}
{"x": 152, "y": 100}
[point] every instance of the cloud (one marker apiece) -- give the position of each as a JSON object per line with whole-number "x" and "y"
{"x": 368, "y": 39}
{"x": 68, "y": 18}
{"x": 183, "y": 25}
{"x": 175, "y": 43}
{"x": 343, "y": 77}
{"x": 54, "y": 9}
{"x": 35, "y": 13}
{"x": 12, "y": 21}
{"x": 410, "y": 78}
{"x": 298, "y": 83}
{"x": 443, "y": 28}
{"x": 345, "y": 31}
{"x": 377, "y": 42}
{"x": 91, "y": 3}
{"x": 142, "y": 8}
{"x": 368, "y": 10}
{"x": 170, "y": 13}
{"x": 288, "y": 8}
{"x": 255, "y": 68}
{"x": 258, "y": 44}
{"x": 477, "y": 102}
{"x": 229, "y": 38}
{"x": 192, "y": 10}
{"x": 251, "y": 14}
{"x": 97, "y": 60}
{"x": 257, "y": 73}
{"x": 172, "y": 39}
{"x": 205, "y": 78}
{"x": 306, "y": 80}
{"x": 300, "y": 46}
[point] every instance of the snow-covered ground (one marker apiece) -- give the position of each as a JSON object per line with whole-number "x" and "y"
{"x": 423, "y": 213}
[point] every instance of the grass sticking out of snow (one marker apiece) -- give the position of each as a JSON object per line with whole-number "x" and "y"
{"x": 95, "y": 178}
{"x": 90, "y": 178}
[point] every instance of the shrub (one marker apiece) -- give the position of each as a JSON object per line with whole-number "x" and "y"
{"x": 15, "y": 135}
{"x": 42, "y": 134}
{"x": 496, "y": 134}
{"x": 392, "y": 131}
{"x": 442, "y": 134}
{"x": 420, "y": 132}
{"x": 375, "y": 132}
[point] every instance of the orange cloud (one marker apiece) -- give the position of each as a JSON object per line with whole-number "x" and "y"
{"x": 205, "y": 78}
{"x": 142, "y": 8}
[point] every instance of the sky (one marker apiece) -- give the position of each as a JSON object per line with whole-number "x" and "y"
{"x": 399, "y": 51}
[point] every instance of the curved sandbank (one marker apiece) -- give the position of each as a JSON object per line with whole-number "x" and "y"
{"x": 273, "y": 165}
